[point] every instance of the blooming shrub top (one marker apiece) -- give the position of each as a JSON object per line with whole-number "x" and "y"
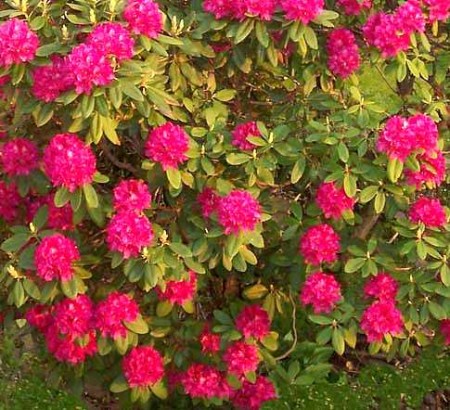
{"x": 143, "y": 367}
{"x": 242, "y": 132}
{"x": 253, "y": 321}
{"x": 68, "y": 162}
{"x": 19, "y": 156}
{"x": 143, "y": 17}
{"x": 322, "y": 291}
{"x": 333, "y": 201}
{"x": 131, "y": 195}
{"x": 320, "y": 244}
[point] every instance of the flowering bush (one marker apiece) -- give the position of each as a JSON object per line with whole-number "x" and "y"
{"x": 206, "y": 200}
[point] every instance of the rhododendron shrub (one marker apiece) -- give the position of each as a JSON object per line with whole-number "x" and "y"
{"x": 202, "y": 202}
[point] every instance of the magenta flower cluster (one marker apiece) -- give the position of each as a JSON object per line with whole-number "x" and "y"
{"x": 333, "y": 201}
{"x": 320, "y": 244}
{"x": 322, "y": 291}
{"x": 343, "y": 53}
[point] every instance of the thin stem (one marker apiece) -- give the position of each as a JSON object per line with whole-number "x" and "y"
{"x": 294, "y": 330}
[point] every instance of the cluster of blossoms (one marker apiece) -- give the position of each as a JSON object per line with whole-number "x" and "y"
{"x": 241, "y": 358}
{"x": 143, "y": 367}
{"x": 251, "y": 396}
{"x": 19, "y": 156}
{"x": 68, "y": 328}
{"x": 322, "y": 291}
{"x": 69, "y": 162}
{"x": 129, "y": 230}
{"x": 343, "y": 53}
{"x": 253, "y": 321}
{"x": 391, "y": 33}
{"x": 319, "y": 244}
{"x": 18, "y": 43}
{"x": 438, "y": 10}
{"x": 112, "y": 312}
{"x": 418, "y": 135}
{"x": 144, "y": 17}
{"x": 209, "y": 341}
{"x": 88, "y": 64}
{"x": 237, "y": 212}
{"x": 58, "y": 218}
{"x": 297, "y": 10}
{"x": 429, "y": 211}
{"x": 51, "y": 80}
{"x": 9, "y": 201}
{"x": 354, "y": 7}
{"x": 179, "y": 292}
{"x": 333, "y": 201}
{"x": 241, "y": 134}
{"x": 204, "y": 381}
{"x": 382, "y": 317}
{"x": 167, "y": 145}
{"x": 54, "y": 258}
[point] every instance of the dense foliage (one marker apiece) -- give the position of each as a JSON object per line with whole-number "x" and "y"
{"x": 209, "y": 199}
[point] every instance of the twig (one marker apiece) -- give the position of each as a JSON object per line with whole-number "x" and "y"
{"x": 116, "y": 161}
{"x": 385, "y": 79}
{"x": 294, "y": 330}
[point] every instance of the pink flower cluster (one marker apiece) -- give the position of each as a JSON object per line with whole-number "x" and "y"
{"x": 68, "y": 328}
{"x": 167, "y": 144}
{"x": 439, "y": 10}
{"x": 253, "y": 321}
{"x": 112, "y": 312}
{"x": 54, "y": 258}
{"x": 58, "y": 218}
{"x": 354, "y": 7}
{"x": 304, "y": 11}
{"x": 251, "y": 396}
{"x": 445, "y": 330}
{"x": 90, "y": 66}
{"x": 429, "y": 211}
{"x": 9, "y": 201}
{"x": 144, "y": 17}
{"x": 51, "y": 80}
{"x": 113, "y": 40}
{"x": 210, "y": 342}
{"x": 240, "y": 9}
{"x": 382, "y": 287}
{"x": 18, "y": 43}
{"x": 179, "y": 292}
{"x": 238, "y": 211}
{"x": 19, "y": 156}
{"x": 205, "y": 382}
{"x": 143, "y": 367}
{"x": 68, "y": 162}
{"x": 391, "y": 33}
{"x": 131, "y": 195}
{"x": 241, "y": 133}
{"x": 431, "y": 172}
{"x": 208, "y": 201}
{"x": 128, "y": 233}
{"x": 403, "y": 136}
{"x": 333, "y": 201}
{"x": 241, "y": 358}
{"x": 322, "y": 291}
{"x": 381, "y": 318}
{"x": 343, "y": 53}
{"x": 320, "y": 244}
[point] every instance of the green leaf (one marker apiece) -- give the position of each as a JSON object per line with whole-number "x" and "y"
{"x": 62, "y": 196}
{"x": 31, "y": 289}
{"x": 109, "y": 128}
{"x": 445, "y": 274}
{"x": 338, "y": 341}
{"x": 437, "y": 311}
{"x": 298, "y": 170}
{"x": 222, "y": 317}
{"x": 188, "y": 307}
{"x": 311, "y": 38}
{"x": 350, "y": 185}
{"x": 119, "y": 384}
{"x": 394, "y": 169}
{"x": 343, "y": 152}
{"x": 254, "y": 292}
{"x": 244, "y": 30}
{"x": 139, "y": 326}
{"x": 237, "y": 159}
{"x": 270, "y": 341}
{"x": 261, "y": 34}
{"x": 90, "y": 195}
{"x": 380, "y": 201}
{"x": 47, "y": 49}
{"x": 354, "y": 264}
{"x": 181, "y": 249}
{"x": 43, "y": 115}
{"x": 320, "y": 320}
{"x": 18, "y": 294}
{"x": 14, "y": 243}
{"x": 225, "y": 95}
{"x": 40, "y": 219}
{"x": 132, "y": 91}
{"x": 159, "y": 390}
{"x": 174, "y": 177}
{"x": 163, "y": 308}
{"x": 69, "y": 288}
{"x": 368, "y": 193}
